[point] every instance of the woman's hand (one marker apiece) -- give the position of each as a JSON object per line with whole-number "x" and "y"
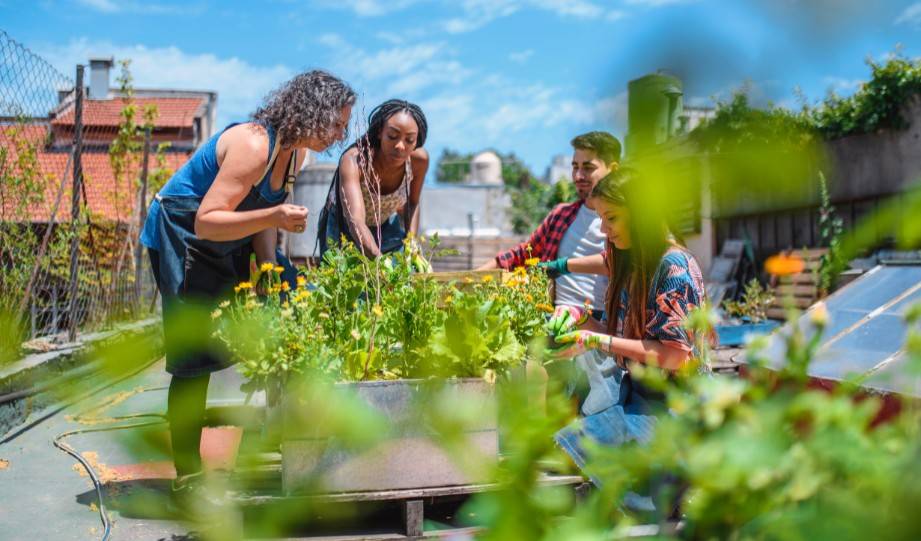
{"x": 564, "y": 319}
{"x": 578, "y": 342}
{"x": 291, "y": 218}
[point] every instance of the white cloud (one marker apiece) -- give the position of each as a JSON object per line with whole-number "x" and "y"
{"x": 911, "y": 15}
{"x": 475, "y": 14}
{"x": 658, "y": 3}
{"x": 520, "y": 57}
{"x": 399, "y": 70}
{"x": 367, "y": 8}
{"x": 240, "y": 85}
{"x": 133, "y": 6}
{"x": 105, "y": 6}
{"x": 841, "y": 85}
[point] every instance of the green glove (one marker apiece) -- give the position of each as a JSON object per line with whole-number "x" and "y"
{"x": 555, "y": 268}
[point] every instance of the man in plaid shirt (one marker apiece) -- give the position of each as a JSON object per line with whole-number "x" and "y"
{"x": 572, "y": 229}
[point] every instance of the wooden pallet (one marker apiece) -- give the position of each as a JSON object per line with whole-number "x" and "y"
{"x": 800, "y": 289}
{"x": 263, "y": 484}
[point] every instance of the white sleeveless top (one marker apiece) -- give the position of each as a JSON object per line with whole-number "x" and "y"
{"x": 379, "y": 208}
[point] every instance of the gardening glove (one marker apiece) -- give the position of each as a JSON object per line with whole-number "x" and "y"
{"x": 565, "y": 319}
{"x": 555, "y": 268}
{"x": 578, "y": 342}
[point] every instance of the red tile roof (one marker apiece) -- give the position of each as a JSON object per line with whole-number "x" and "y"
{"x": 173, "y": 112}
{"x": 108, "y": 200}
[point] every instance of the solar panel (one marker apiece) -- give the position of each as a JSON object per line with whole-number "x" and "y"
{"x": 866, "y": 331}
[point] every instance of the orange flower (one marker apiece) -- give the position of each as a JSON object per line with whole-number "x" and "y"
{"x": 784, "y": 265}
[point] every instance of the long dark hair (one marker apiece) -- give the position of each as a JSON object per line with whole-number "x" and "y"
{"x": 633, "y": 269}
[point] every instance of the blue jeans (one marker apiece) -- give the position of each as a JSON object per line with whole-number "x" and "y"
{"x": 631, "y": 419}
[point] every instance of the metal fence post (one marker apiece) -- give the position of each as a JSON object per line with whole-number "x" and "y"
{"x": 142, "y": 217}
{"x": 75, "y": 201}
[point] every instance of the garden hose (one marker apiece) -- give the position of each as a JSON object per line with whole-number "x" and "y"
{"x": 57, "y": 441}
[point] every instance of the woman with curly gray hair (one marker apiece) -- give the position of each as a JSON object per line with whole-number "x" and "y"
{"x": 227, "y": 200}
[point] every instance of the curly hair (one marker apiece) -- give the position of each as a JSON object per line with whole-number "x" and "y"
{"x": 308, "y": 105}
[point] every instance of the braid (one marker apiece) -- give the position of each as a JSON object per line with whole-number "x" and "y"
{"x": 382, "y": 112}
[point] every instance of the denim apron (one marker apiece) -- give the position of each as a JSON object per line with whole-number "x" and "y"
{"x": 332, "y": 226}
{"x": 195, "y": 273}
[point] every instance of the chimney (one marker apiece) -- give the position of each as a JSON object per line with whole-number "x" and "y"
{"x": 99, "y": 77}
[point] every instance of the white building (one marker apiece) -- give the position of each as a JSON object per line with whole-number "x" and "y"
{"x": 559, "y": 169}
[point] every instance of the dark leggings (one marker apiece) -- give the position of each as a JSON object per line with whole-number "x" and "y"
{"x": 186, "y": 413}
{"x": 185, "y": 407}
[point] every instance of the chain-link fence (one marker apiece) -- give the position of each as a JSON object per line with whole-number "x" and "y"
{"x": 74, "y": 170}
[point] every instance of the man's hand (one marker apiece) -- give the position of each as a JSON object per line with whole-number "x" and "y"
{"x": 578, "y": 342}
{"x": 555, "y": 268}
{"x": 565, "y": 319}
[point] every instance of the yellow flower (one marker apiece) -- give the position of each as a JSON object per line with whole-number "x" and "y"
{"x": 449, "y": 299}
{"x": 531, "y": 262}
{"x": 301, "y": 281}
{"x": 487, "y": 278}
{"x": 528, "y": 297}
{"x": 244, "y": 285}
{"x": 279, "y": 269}
{"x": 266, "y": 267}
{"x": 468, "y": 280}
{"x": 544, "y": 307}
{"x": 378, "y": 311}
{"x": 285, "y": 286}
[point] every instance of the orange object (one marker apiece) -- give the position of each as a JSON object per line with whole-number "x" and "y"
{"x": 784, "y": 265}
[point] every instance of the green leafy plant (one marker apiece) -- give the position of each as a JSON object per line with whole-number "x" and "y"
{"x": 356, "y": 319}
{"x": 753, "y": 304}
{"x": 831, "y": 228}
{"x": 877, "y": 104}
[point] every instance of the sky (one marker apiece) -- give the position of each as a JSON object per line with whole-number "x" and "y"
{"x": 521, "y": 76}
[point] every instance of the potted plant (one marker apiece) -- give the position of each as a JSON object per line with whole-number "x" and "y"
{"x": 748, "y": 316}
{"x": 405, "y": 351}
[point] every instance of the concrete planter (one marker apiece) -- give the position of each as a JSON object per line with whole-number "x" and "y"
{"x": 408, "y": 458}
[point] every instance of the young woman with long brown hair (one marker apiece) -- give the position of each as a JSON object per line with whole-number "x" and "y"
{"x": 654, "y": 283}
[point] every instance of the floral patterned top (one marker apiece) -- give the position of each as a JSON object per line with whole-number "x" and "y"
{"x": 678, "y": 288}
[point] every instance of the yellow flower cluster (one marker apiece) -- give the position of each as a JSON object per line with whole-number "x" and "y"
{"x": 243, "y": 286}
{"x": 531, "y": 262}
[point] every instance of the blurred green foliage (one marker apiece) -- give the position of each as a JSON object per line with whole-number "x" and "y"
{"x": 877, "y": 104}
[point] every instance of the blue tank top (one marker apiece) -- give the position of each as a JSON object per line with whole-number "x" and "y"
{"x": 195, "y": 179}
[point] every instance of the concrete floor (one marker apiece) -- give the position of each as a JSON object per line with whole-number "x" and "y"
{"x": 44, "y": 495}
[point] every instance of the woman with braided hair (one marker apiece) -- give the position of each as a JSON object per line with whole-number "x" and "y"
{"x": 373, "y": 201}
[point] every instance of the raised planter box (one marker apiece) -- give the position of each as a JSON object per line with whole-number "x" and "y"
{"x": 408, "y": 458}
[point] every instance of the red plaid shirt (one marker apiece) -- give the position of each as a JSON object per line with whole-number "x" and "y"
{"x": 545, "y": 240}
